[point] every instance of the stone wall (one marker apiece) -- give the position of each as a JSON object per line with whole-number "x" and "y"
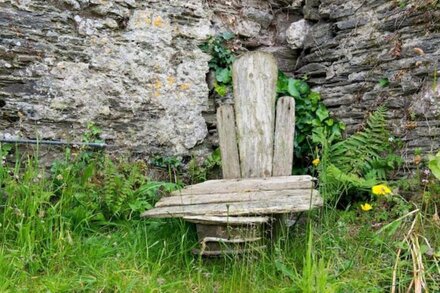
{"x": 135, "y": 69}
{"x": 132, "y": 67}
{"x": 352, "y": 45}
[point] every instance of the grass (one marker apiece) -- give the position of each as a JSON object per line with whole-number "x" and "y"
{"x": 65, "y": 230}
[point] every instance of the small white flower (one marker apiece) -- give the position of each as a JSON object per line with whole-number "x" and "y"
{"x": 391, "y": 139}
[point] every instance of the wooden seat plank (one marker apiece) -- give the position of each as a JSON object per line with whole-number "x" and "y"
{"x": 212, "y": 220}
{"x": 233, "y": 240}
{"x": 232, "y": 197}
{"x": 248, "y": 184}
{"x": 270, "y": 206}
{"x": 227, "y": 251}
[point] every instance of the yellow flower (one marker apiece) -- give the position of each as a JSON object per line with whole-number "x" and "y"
{"x": 381, "y": 189}
{"x": 366, "y": 207}
{"x": 316, "y": 161}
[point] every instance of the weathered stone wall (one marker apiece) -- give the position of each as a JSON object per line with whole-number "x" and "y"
{"x": 353, "y": 44}
{"x": 132, "y": 67}
{"x": 135, "y": 69}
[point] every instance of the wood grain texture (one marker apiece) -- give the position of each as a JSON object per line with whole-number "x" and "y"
{"x": 248, "y": 184}
{"x": 228, "y": 251}
{"x": 269, "y": 206}
{"x": 228, "y": 142}
{"x": 234, "y": 240}
{"x": 212, "y": 220}
{"x": 254, "y": 80}
{"x": 284, "y": 137}
{"x": 194, "y": 199}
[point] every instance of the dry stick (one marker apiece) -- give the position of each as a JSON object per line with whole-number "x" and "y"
{"x": 416, "y": 269}
{"x": 420, "y": 264}
{"x": 393, "y": 286}
{"x": 410, "y": 286}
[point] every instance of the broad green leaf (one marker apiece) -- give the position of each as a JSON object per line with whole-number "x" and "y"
{"x": 434, "y": 166}
{"x": 303, "y": 87}
{"x": 282, "y": 84}
{"x": 221, "y": 90}
{"x": 329, "y": 122}
{"x": 322, "y": 113}
{"x": 223, "y": 75}
{"x": 292, "y": 89}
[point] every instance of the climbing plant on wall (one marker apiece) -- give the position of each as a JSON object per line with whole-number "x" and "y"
{"x": 310, "y": 114}
{"x": 221, "y": 62}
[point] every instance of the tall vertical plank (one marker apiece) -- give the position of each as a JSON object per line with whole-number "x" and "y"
{"x": 254, "y": 79}
{"x": 284, "y": 136}
{"x": 228, "y": 142}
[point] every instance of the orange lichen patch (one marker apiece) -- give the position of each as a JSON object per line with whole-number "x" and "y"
{"x": 158, "y": 21}
{"x": 171, "y": 80}
{"x": 411, "y": 125}
{"x": 157, "y": 85}
{"x": 156, "y": 88}
{"x": 184, "y": 86}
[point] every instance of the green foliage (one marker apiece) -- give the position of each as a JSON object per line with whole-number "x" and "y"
{"x": 172, "y": 164}
{"x": 360, "y": 161}
{"x": 367, "y": 152}
{"x": 222, "y": 56}
{"x": 434, "y": 165}
{"x": 311, "y": 115}
{"x": 200, "y": 172}
{"x": 221, "y": 61}
{"x": 58, "y": 232}
{"x": 384, "y": 82}
{"x": 92, "y": 134}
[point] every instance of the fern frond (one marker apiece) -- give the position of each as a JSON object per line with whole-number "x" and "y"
{"x": 351, "y": 154}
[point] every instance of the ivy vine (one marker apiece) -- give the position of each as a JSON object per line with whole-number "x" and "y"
{"x": 221, "y": 62}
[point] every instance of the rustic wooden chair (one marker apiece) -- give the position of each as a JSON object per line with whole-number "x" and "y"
{"x": 256, "y": 144}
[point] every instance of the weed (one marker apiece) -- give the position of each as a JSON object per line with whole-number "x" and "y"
{"x": 200, "y": 172}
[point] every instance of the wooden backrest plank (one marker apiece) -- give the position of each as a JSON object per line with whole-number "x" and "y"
{"x": 228, "y": 142}
{"x": 254, "y": 79}
{"x": 284, "y": 137}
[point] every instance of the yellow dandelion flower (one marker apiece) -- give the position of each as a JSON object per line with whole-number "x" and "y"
{"x": 366, "y": 207}
{"x": 316, "y": 161}
{"x": 381, "y": 189}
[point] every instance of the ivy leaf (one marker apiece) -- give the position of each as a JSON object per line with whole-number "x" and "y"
{"x": 282, "y": 84}
{"x": 322, "y": 113}
{"x": 314, "y": 98}
{"x": 329, "y": 122}
{"x": 434, "y": 165}
{"x": 223, "y": 75}
{"x": 221, "y": 89}
{"x": 292, "y": 89}
{"x": 303, "y": 87}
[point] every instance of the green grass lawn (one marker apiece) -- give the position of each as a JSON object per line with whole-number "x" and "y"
{"x": 67, "y": 230}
